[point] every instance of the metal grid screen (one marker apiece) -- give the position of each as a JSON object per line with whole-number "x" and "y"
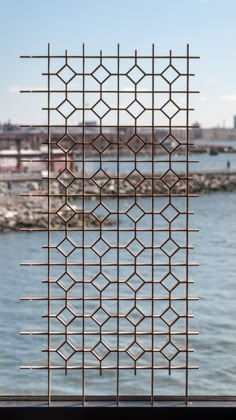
{"x": 118, "y": 216}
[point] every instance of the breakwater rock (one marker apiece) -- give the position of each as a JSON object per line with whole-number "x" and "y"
{"x": 17, "y": 214}
{"x": 32, "y": 213}
{"x": 127, "y": 184}
{"x": 210, "y": 182}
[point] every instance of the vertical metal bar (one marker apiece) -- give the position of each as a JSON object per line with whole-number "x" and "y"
{"x": 118, "y": 226}
{"x": 153, "y": 220}
{"x": 83, "y": 224}
{"x": 169, "y": 201}
{"x": 187, "y": 229}
{"x": 49, "y": 228}
{"x": 100, "y": 202}
{"x": 135, "y": 202}
{"x": 66, "y": 200}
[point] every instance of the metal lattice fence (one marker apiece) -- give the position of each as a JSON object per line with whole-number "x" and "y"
{"x": 118, "y": 215}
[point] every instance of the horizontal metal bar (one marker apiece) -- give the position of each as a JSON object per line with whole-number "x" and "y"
{"x": 104, "y": 126}
{"x": 171, "y": 299}
{"x": 112, "y": 56}
{"x": 122, "y": 264}
{"x": 105, "y": 91}
{"x": 106, "y": 161}
{"x": 52, "y": 316}
{"x": 103, "y": 229}
{"x": 137, "y": 195}
{"x": 114, "y": 367}
{"x": 119, "y": 247}
{"x": 112, "y": 333}
{"x": 88, "y": 350}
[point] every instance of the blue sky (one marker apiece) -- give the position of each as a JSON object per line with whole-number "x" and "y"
{"x": 209, "y": 26}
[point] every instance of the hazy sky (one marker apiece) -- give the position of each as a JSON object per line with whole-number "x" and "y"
{"x": 209, "y": 26}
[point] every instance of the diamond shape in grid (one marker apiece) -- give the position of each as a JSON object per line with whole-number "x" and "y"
{"x": 66, "y": 143}
{"x": 135, "y": 282}
{"x": 100, "y": 282}
{"x": 135, "y": 213}
{"x": 100, "y": 143}
{"x": 170, "y": 143}
{"x": 100, "y": 247}
{"x": 66, "y": 350}
{"x": 135, "y": 74}
{"x": 135, "y": 247}
{"x": 66, "y": 178}
{"x": 100, "y": 351}
{"x": 101, "y": 74}
{"x": 170, "y": 178}
{"x": 66, "y": 108}
{"x": 100, "y": 212}
{"x": 66, "y": 213}
{"x": 135, "y": 143}
{"x": 66, "y": 74}
{"x": 100, "y": 178}
{"x": 66, "y": 315}
{"x": 100, "y": 316}
{"x": 170, "y": 247}
{"x": 170, "y": 109}
{"x": 66, "y": 247}
{"x": 101, "y": 108}
{"x": 169, "y": 316}
{"x": 169, "y": 282}
{"x": 135, "y": 316}
{"x": 169, "y": 213}
{"x": 169, "y": 351}
{"x": 135, "y": 178}
{"x": 135, "y": 351}
{"x": 66, "y": 281}
{"x": 135, "y": 109}
{"x": 170, "y": 74}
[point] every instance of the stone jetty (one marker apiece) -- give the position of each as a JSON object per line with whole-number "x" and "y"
{"x": 14, "y": 185}
{"x": 17, "y": 212}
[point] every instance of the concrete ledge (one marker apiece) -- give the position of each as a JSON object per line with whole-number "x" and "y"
{"x": 124, "y": 401}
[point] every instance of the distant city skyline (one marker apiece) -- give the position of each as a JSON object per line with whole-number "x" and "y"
{"x": 9, "y": 122}
{"x": 208, "y": 26}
